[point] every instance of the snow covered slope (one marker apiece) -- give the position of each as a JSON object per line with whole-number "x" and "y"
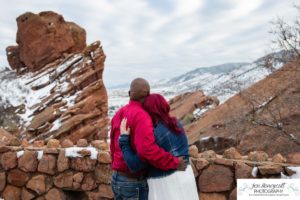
{"x": 222, "y": 81}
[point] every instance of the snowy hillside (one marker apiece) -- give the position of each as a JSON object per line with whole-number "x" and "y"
{"x": 222, "y": 81}
{"x": 16, "y": 91}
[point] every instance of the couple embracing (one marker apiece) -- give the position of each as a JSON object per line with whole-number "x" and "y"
{"x": 149, "y": 149}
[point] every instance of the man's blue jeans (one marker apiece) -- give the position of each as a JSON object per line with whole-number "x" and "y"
{"x": 125, "y": 188}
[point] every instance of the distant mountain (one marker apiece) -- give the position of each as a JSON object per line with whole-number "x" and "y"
{"x": 218, "y": 69}
{"x": 222, "y": 81}
{"x": 124, "y": 85}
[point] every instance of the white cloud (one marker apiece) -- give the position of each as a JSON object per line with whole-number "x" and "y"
{"x": 144, "y": 39}
{"x": 187, "y": 7}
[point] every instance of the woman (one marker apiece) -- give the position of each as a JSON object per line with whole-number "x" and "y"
{"x": 170, "y": 136}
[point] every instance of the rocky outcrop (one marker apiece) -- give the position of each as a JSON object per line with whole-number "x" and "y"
{"x": 64, "y": 94}
{"x": 191, "y": 106}
{"x": 263, "y": 117}
{"x": 8, "y": 139}
{"x": 43, "y": 38}
{"x": 76, "y": 106}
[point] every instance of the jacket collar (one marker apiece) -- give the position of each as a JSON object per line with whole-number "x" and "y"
{"x": 136, "y": 103}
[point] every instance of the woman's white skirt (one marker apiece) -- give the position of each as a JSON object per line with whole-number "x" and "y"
{"x": 180, "y": 185}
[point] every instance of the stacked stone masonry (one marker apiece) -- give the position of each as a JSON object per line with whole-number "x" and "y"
{"x": 63, "y": 171}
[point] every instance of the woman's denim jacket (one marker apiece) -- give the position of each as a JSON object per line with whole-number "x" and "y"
{"x": 176, "y": 144}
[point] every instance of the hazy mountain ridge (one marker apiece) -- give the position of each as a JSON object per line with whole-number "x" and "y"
{"x": 222, "y": 81}
{"x": 218, "y": 69}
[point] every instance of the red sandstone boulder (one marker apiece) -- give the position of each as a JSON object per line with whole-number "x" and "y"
{"x": 88, "y": 183}
{"x": 28, "y": 161}
{"x": 2, "y": 180}
{"x": 212, "y": 196}
{"x": 233, "y": 195}
{"x": 8, "y": 139}
{"x": 40, "y": 198}
{"x": 9, "y": 160}
{"x": 53, "y": 143}
{"x": 64, "y": 180}
{"x": 26, "y": 195}
{"x": 82, "y": 143}
{"x": 104, "y": 191}
{"x": 200, "y": 163}
{"x": 39, "y": 143}
{"x": 40, "y": 184}
{"x": 100, "y": 144}
{"x": 39, "y": 34}
{"x": 17, "y": 178}
{"x": 232, "y": 153}
{"x": 104, "y": 157}
{"x": 216, "y": 178}
{"x": 78, "y": 177}
{"x": 182, "y": 106}
{"x": 55, "y": 194}
{"x": 195, "y": 171}
{"x": 208, "y": 154}
{"x": 67, "y": 143}
{"x": 13, "y": 58}
{"x": 83, "y": 164}
{"x": 270, "y": 169}
{"x": 258, "y": 156}
{"x": 193, "y": 151}
{"x": 63, "y": 162}
{"x": 103, "y": 173}
{"x": 294, "y": 158}
{"x": 243, "y": 171}
{"x": 3, "y": 148}
{"x": 47, "y": 164}
{"x": 11, "y": 193}
{"x": 24, "y": 143}
{"x": 84, "y": 152}
{"x": 223, "y": 161}
{"x": 278, "y": 158}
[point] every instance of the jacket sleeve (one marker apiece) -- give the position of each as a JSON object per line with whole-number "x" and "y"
{"x": 134, "y": 163}
{"x": 112, "y": 144}
{"x": 146, "y": 147}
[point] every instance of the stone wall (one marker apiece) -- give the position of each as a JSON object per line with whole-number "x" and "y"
{"x": 63, "y": 171}
{"x": 56, "y": 171}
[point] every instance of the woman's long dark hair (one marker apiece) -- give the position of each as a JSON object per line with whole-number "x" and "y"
{"x": 159, "y": 110}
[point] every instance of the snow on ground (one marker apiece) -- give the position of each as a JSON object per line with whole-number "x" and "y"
{"x": 40, "y": 154}
{"x": 254, "y": 172}
{"x": 74, "y": 152}
{"x": 222, "y": 84}
{"x": 16, "y": 91}
{"x": 294, "y": 176}
{"x": 20, "y": 153}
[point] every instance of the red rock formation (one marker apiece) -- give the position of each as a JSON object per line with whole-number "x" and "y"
{"x": 263, "y": 117}
{"x": 13, "y": 58}
{"x": 183, "y": 106}
{"x": 8, "y": 139}
{"x": 43, "y": 38}
{"x": 76, "y": 106}
{"x": 67, "y": 98}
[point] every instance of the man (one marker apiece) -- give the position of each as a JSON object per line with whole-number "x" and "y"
{"x": 125, "y": 184}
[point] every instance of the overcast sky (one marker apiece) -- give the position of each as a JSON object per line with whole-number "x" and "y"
{"x": 161, "y": 38}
